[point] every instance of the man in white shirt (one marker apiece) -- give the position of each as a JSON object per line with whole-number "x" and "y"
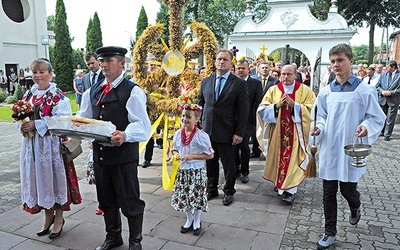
{"x": 28, "y": 77}
{"x": 372, "y": 78}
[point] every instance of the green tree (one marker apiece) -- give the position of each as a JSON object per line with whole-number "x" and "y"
{"x": 94, "y": 36}
{"x": 89, "y": 46}
{"x": 373, "y": 13}
{"x": 97, "y": 35}
{"x": 163, "y": 17}
{"x": 51, "y": 22}
{"x": 63, "y": 65}
{"x": 360, "y": 54}
{"x": 320, "y": 9}
{"x": 142, "y": 23}
{"x": 221, "y": 16}
{"x": 359, "y": 12}
{"x": 77, "y": 58}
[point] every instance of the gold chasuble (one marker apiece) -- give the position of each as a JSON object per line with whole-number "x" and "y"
{"x": 285, "y": 142}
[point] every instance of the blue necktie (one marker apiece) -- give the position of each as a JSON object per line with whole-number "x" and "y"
{"x": 94, "y": 78}
{"x": 218, "y": 88}
{"x": 390, "y": 79}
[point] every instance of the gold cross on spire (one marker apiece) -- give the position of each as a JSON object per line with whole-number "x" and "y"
{"x": 263, "y": 49}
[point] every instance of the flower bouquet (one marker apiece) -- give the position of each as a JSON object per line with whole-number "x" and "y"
{"x": 22, "y": 111}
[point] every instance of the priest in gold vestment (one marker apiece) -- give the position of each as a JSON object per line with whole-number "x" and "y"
{"x": 283, "y": 128}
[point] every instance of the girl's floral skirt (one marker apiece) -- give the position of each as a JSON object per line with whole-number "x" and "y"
{"x": 190, "y": 190}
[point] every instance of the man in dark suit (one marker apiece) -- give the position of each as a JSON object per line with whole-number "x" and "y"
{"x": 95, "y": 74}
{"x": 388, "y": 88}
{"x": 255, "y": 96}
{"x": 267, "y": 81}
{"x": 225, "y": 102}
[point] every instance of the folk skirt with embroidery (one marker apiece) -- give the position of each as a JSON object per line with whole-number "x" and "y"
{"x": 190, "y": 190}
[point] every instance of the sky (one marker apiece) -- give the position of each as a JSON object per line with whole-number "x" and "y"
{"x": 118, "y": 21}
{"x": 118, "y": 18}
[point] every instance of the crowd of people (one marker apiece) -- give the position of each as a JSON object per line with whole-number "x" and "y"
{"x": 9, "y": 81}
{"x": 270, "y": 105}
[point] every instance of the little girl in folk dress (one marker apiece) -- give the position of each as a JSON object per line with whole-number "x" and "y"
{"x": 192, "y": 147}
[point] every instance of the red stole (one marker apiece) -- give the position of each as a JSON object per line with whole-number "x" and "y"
{"x": 287, "y": 131}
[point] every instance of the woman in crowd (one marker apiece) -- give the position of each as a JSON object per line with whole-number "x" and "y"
{"x": 78, "y": 86}
{"x": 21, "y": 79}
{"x": 47, "y": 183}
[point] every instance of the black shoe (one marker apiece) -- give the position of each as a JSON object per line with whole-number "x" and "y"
{"x": 381, "y": 134}
{"x": 211, "y": 195}
{"x": 355, "y": 216}
{"x": 197, "y": 231}
{"x": 146, "y": 163}
{"x": 55, "y": 235}
{"x": 238, "y": 175}
{"x": 186, "y": 229}
{"x": 45, "y": 231}
{"x": 287, "y": 198}
{"x": 387, "y": 138}
{"x": 228, "y": 199}
{"x": 254, "y": 155}
{"x": 107, "y": 245}
{"x": 245, "y": 178}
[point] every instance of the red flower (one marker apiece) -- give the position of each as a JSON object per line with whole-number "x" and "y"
{"x": 56, "y": 98}
{"x": 46, "y": 110}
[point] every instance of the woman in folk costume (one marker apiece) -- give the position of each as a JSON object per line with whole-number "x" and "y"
{"x": 192, "y": 147}
{"x": 47, "y": 182}
{"x": 283, "y": 125}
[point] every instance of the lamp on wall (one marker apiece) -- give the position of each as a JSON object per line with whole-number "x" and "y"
{"x": 45, "y": 42}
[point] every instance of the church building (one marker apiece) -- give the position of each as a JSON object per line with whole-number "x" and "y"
{"x": 23, "y": 33}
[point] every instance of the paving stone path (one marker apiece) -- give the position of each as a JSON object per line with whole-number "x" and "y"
{"x": 256, "y": 220}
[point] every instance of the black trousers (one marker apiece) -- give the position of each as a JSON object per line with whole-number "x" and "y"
{"x": 242, "y": 156}
{"x": 148, "y": 153}
{"x": 349, "y": 192}
{"x": 225, "y": 151}
{"x": 117, "y": 187}
{"x": 255, "y": 149}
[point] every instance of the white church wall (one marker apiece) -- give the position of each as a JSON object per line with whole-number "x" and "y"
{"x": 20, "y": 42}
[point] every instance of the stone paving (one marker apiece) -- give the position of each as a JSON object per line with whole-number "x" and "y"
{"x": 257, "y": 219}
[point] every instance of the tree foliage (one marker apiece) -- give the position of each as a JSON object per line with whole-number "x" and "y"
{"x": 373, "y": 13}
{"x": 51, "y": 22}
{"x": 94, "y": 36}
{"x": 142, "y": 23}
{"x": 320, "y": 9}
{"x": 359, "y": 12}
{"x": 63, "y": 65}
{"x": 77, "y": 58}
{"x": 163, "y": 17}
{"x": 89, "y": 45}
{"x": 360, "y": 54}
{"x": 97, "y": 35}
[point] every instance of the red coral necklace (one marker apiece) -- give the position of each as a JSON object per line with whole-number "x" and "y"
{"x": 187, "y": 139}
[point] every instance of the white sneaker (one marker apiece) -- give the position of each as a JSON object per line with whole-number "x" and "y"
{"x": 326, "y": 241}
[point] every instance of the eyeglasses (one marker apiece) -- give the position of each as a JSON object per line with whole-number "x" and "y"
{"x": 287, "y": 74}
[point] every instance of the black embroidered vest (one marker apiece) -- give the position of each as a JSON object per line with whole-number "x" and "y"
{"x": 112, "y": 108}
